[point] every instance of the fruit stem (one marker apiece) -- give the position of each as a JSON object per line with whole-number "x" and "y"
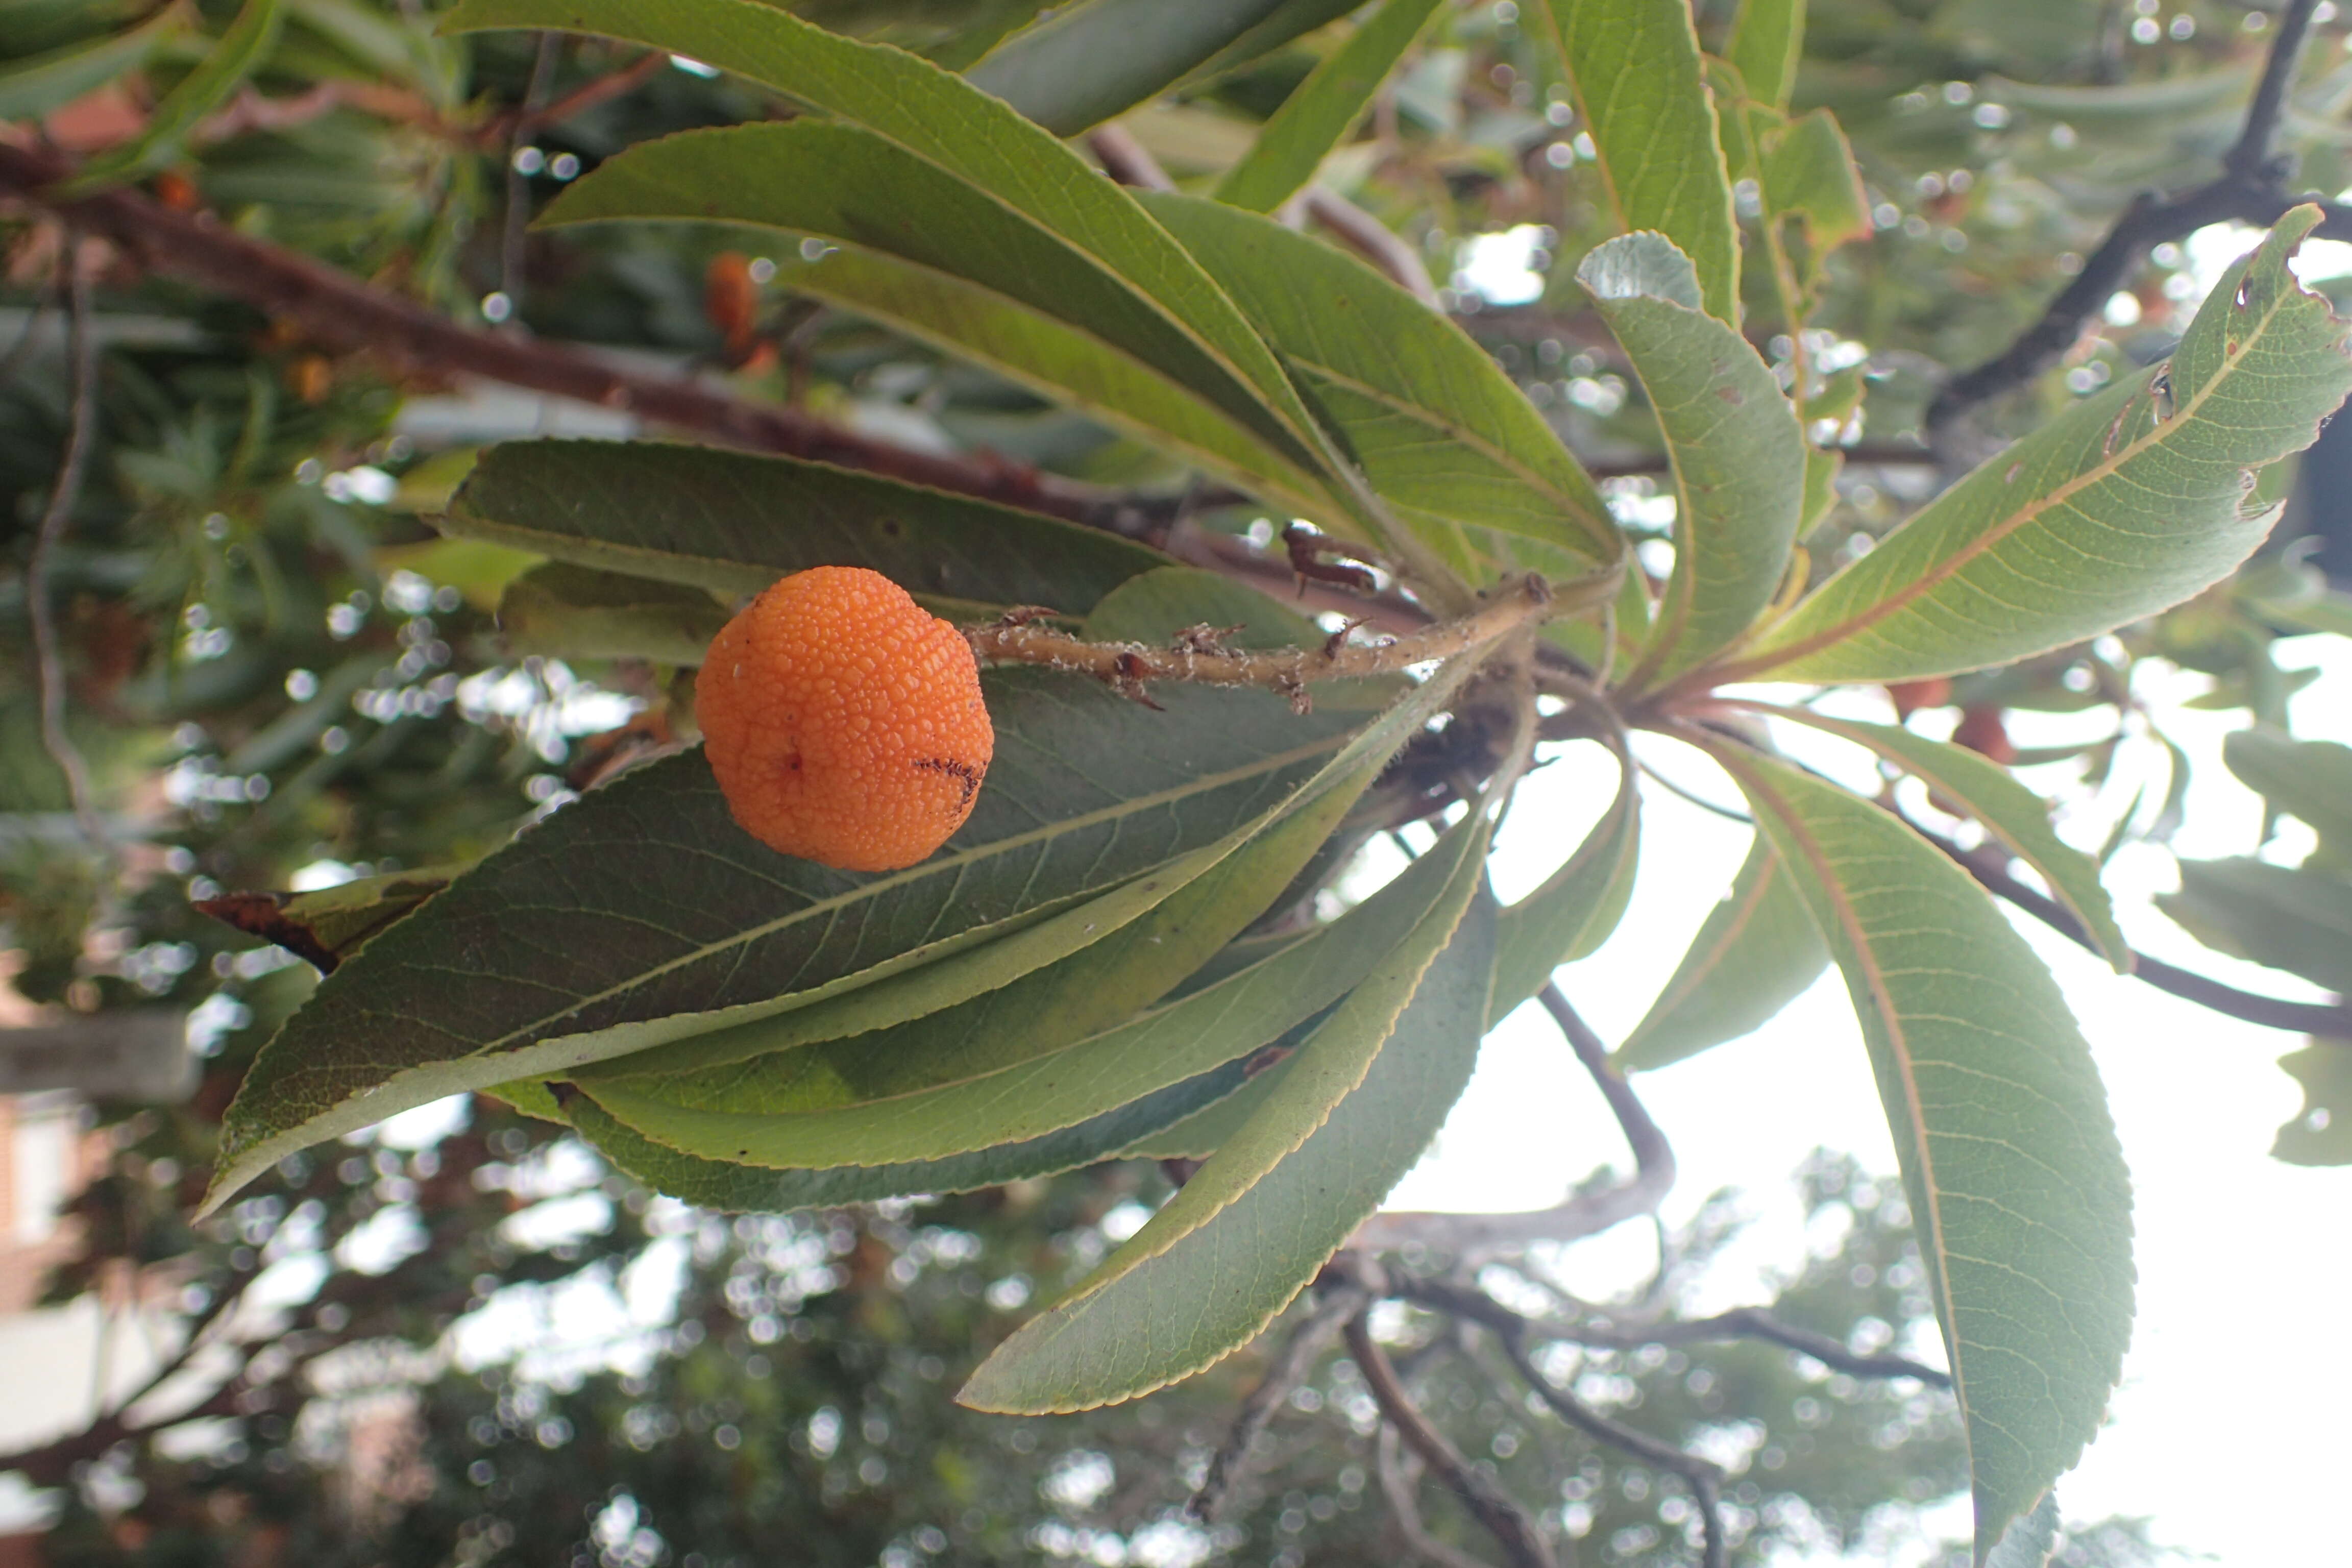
{"x": 1127, "y": 666}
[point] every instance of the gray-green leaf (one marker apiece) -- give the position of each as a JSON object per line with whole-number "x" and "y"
{"x": 1758, "y": 952}
{"x": 2016, "y": 1181}
{"x": 1731, "y": 436}
{"x": 2128, "y": 503}
{"x": 1642, "y": 97}
{"x": 1354, "y": 1109}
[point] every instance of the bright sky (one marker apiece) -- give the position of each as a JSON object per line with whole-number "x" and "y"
{"x": 2233, "y": 1394}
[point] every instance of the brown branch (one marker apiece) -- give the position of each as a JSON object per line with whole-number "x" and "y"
{"x": 1739, "y": 1323}
{"x": 1704, "y": 1476}
{"x": 343, "y": 311}
{"x": 1128, "y": 665}
{"x": 2326, "y": 1021}
{"x": 1334, "y": 1306}
{"x": 524, "y": 121}
{"x": 1488, "y": 1503}
{"x": 2252, "y": 156}
{"x": 1398, "y": 1486}
{"x": 48, "y": 667}
{"x": 1579, "y": 1214}
{"x": 1127, "y": 159}
{"x": 2252, "y": 189}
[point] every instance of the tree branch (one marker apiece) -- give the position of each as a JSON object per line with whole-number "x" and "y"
{"x": 2250, "y": 157}
{"x": 48, "y": 667}
{"x": 1494, "y": 1508}
{"x": 1704, "y": 1476}
{"x": 1579, "y": 1215}
{"x": 1368, "y": 236}
{"x": 1739, "y": 1323}
{"x": 1397, "y": 1484}
{"x": 341, "y": 310}
{"x": 2327, "y": 1021}
{"x": 1335, "y": 1305}
{"x": 2252, "y": 189}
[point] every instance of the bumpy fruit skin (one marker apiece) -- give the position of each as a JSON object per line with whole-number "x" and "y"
{"x": 844, "y": 723}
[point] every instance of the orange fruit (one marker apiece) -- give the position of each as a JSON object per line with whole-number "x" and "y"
{"x": 845, "y": 721}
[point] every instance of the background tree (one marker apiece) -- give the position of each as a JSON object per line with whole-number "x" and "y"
{"x": 245, "y": 234}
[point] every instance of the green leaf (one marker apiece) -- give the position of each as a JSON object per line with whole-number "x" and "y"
{"x": 2032, "y": 1541}
{"x": 225, "y": 65}
{"x": 766, "y": 1106}
{"x": 1758, "y": 952}
{"x": 1731, "y": 436}
{"x": 2300, "y": 921}
{"x": 1087, "y": 62}
{"x": 1810, "y": 174}
{"x": 2308, "y": 780}
{"x": 717, "y": 1184}
{"x": 1575, "y": 909}
{"x": 2011, "y": 812}
{"x": 30, "y": 87}
{"x": 1442, "y": 434}
{"x": 1290, "y": 21}
{"x": 2015, "y": 1178}
{"x": 971, "y": 276}
{"x": 1768, "y": 38}
{"x": 1208, "y": 1130}
{"x": 1038, "y": 186}
{"x": 1642, "y": 97}
{"x": 642, "y": 902}
{"x": 1058, "y": 361}
{"x": 1322, "y": 110}
{"x": 577, "y": 612}
{"x": 1020, "y": 1101}
{"x": 1222, "y": 1259}
{"x": 2321, "y": 1132}
{"x": 330, "y": 924}
{"x": 733, "y": 523}
{"x": 2128, "y": 503}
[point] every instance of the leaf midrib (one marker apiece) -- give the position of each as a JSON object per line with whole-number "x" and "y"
{"x": 1941, "y": 571}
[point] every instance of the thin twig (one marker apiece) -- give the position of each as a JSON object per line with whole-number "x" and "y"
{"x": 1501, "y": 1513}
{"x": 1398, "y": 1485}
{"x": 1127, "y": 159}
{"x": 1580, "y": 1213}
{"x": 2327, "y": 1021}
{"x": 1335, "y": 1304}
{"x": 579, "y": 100}
{"x": 1704, "y": 1476}
{"x": 1369, "y": 238}
{"x": 337, "y": 309}
{"x": 1288, "y": 670}
{"x": 2251, "y": 156}
{"x": 81, "y": 356}
{"x": 1739, "y": 1323}
{"x": 516, "y": 212}
{"x": 2252, "y": 189}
